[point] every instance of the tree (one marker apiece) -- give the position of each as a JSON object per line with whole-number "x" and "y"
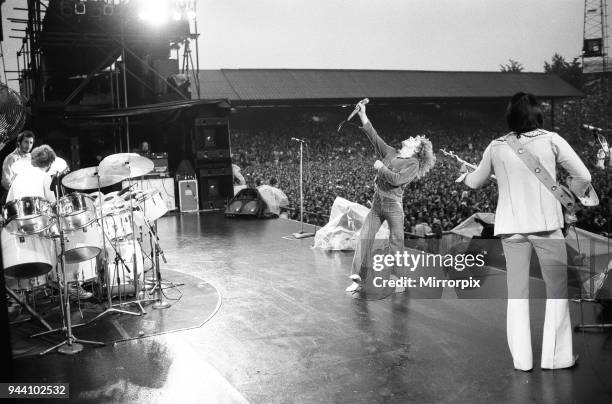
{"x": 570, "y": 72}
{"x": 512, "y": 67}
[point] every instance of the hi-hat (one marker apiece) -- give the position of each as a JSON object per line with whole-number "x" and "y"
{"x": 92, "y": 177}
{"x": 137, "y": 164}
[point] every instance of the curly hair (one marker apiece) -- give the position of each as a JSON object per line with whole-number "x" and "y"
{"x": 43, "y": 156}
{"x": 425, "y": 155}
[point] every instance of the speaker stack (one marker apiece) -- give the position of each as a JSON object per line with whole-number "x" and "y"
{"x": 213, "y": 162}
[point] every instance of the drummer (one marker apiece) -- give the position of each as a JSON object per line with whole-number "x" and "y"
{"x": 25, "y": 141}
{"x": 34, "y": 179}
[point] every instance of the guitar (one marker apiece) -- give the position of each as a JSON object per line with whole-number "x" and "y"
{"x": 589, "y": 199}
{"x": 462, "y": 161}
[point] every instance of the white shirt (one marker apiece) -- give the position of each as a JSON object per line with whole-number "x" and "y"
{"x": 8, "y": 175}
{"x": 524, "y": 204}
{"x": 31, "y": 181}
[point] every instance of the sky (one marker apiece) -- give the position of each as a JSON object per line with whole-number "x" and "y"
{"x": 476, "y": 35}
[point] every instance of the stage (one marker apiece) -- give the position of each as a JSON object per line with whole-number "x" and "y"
{"x": 286, "y": 332}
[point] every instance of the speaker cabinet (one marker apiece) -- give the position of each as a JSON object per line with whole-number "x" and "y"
{"x": 188, "y": 196}
{"x": 212, "y": 160}
{"x": 211, "y": 139}
{"x": 215, "y": 190}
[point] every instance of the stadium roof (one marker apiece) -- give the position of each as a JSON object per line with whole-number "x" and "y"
{"x": 274, "y": 86}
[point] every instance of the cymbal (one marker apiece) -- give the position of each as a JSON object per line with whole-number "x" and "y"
{"x": 92, "y": 177}
{"x": 137, "y": 164}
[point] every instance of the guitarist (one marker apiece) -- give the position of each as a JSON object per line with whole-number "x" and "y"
{"x": 529, "y": 216}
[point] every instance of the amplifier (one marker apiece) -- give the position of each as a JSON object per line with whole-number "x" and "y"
{"x": 215, "y": 171}
{"x": 160, "y": 162}
{"x": 213, "y": 154}
{"x": 188, "y": 196}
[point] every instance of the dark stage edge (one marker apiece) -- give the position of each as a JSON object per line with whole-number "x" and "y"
{"x": 192, "y": 303}
{"x": 287, "y": 333}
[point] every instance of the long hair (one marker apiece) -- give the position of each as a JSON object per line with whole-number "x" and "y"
{"x": 523, "y": 113}
{"x": 425, "y": 155}
{"x": 43, "y": 156}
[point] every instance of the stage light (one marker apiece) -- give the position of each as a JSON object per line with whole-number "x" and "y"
{"x": 109, "y": 9}
{"x": 79, "y": 8}
{"x": 155, "y": 12}
{"x": 176, "y": 16}
{"x": 191, "y": 15}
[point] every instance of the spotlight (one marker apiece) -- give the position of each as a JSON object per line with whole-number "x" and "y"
{"x": 108, "y": 9}
{"x": 191, "y": 15}
{"x": 79, "y": 8}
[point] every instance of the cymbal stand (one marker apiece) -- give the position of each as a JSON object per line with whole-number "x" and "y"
{"x": 137, "y": 292}
{"x": 160, "y": 303}
{"x": 71, "y": 345}
{"x": 109, "y": 303}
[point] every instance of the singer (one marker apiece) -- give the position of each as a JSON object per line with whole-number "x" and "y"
{"x": 394, "y": 170}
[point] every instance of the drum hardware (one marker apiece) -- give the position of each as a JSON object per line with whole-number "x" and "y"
{"x": 71, "y": 345}
{"x": 136, "y": 166}
{"x": 157, "y": 282}
{"x": 109, "y": 304}
{"x": 24, "y": 304}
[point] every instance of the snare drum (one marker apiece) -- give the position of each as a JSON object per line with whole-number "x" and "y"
{"x": 117, "y": 225}
{"x": 76, "y": 211}
{"x": 25, "y": 284}
{"x": 153, "y": 205}
{"x": 27, "y": 256}
{"x": 28, "y": 215}
{"x": 126, "y": 279}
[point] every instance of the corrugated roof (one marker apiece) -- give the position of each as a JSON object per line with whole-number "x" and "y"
{"x": 245, "y": 86}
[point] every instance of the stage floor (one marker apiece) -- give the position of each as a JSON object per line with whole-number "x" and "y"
{"x": 286, "y": 332}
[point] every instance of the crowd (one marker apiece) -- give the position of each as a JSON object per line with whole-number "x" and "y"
{"x": 341, "y": 164}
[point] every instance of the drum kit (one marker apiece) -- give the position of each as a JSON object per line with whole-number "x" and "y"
{"x": 86, "y": 237}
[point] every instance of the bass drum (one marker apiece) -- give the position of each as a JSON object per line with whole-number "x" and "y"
{"x": 124, "y": 281}
{"x": 27, "y": 256}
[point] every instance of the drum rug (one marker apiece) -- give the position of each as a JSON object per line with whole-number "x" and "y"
{"x": 193, "y": 302}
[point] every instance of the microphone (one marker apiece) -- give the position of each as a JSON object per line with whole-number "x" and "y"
{"x": 298, "y": 140}
{"x": 594, "y": 128}
{"x": 358, "y": 107}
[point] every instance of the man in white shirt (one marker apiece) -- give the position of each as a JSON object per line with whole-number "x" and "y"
{"x": 25, "y": 141}
{"x": 34, "y": 180}
{"x": 529, "y": 217}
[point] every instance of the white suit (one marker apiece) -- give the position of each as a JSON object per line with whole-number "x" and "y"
{"x": 529, "y": 217}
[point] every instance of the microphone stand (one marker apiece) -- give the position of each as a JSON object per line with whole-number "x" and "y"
{"x": 301, "y": 233}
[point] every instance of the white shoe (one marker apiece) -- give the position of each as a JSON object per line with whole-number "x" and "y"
{"x": 354, "y": 287}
